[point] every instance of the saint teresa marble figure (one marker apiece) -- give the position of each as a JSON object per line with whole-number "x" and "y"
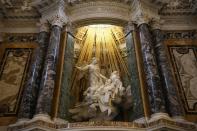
{"x": 101, "y": 96}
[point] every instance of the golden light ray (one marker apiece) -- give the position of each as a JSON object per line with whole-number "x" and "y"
{"x": 99, "y": 41}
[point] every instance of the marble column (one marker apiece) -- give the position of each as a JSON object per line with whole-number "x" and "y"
{"x": 32, "y": 83}
{"x": 156, "y": 99}
{"x": 172, "y": 100}
{"x": 137, "y": 107}
{"x": 44, "y": 103}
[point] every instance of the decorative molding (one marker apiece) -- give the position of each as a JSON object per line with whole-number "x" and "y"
{"x": 161, "y": 124}
{"x": 157, "y": 24}
{"x": 19, "y": 37}
{"x": 177, "y": 7}
{"x": 192, "y": 34}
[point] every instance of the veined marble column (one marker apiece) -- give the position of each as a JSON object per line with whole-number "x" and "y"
{"x": 44, "y": 103}
{"x": 32, "y": 83}
{"x": 169, "y": 87}
{"x": 156, "y": 99}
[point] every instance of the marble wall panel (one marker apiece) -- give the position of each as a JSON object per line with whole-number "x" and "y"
{"x": 184, "y": 60}
{"x": 12, "y": 74}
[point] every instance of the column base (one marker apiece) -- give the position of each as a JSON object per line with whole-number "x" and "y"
{"x": 22, "y": 120}
{"x": 60, "y": 121}
{"x": 179, "y": 119}
{"x": 142, "y": 120}
{"x": 42, "y": 123}
{"x": 157, "y": 116}
{"x": 42, "y": 117}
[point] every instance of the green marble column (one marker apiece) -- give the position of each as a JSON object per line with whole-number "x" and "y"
{"x": 137, "y": 107}
{"x": 64, "y": 99}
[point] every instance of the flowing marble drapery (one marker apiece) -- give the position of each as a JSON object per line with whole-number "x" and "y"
{"x": 49, "y": 72}
{"x": 32, "y": 83}
{"x": 169, "y": 87}
{"x": 157, "y": 103}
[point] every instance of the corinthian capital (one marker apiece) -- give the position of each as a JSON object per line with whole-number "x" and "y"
{"x": 58, "y": 20}
{"x": 55, "y": 14}
{"x": 143, "y": 12}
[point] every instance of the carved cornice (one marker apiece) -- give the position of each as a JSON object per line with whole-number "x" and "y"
{"x": 177, "y": 7}
{"x": 84, "y": 12}
{"x": 192, "y": 34}
{"x": 179, "y": 23}
{"x": 98, "y": 9}
{"x": 20, "y": 37}
{"x": 157, "y": 23}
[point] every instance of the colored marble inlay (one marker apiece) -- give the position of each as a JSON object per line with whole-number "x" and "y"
{"x": 184, "y": 59}
{"x": 13, "y": 68}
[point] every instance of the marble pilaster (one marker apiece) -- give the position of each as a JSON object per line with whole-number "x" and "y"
{"x": 137, "y": 107}
{"x": 172, "y": 101}
{"x": 66, "y": 79}
{"x": 47, "y": 85}
{"x": 32, "y": 83}
{"x": 156, "y": 99}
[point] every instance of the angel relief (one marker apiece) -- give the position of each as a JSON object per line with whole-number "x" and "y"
{"x": 102, "y": 97}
